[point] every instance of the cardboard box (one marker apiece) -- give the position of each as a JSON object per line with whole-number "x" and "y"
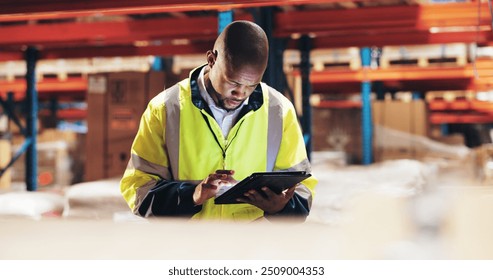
{"x": 409, "y": 117}
{"x": 338, "y": 130}
{"x": 406, "y": 117}
{"x": 115, "y": 104}
{"x": 118, "y": 155}
{"x": 126, "y": 100}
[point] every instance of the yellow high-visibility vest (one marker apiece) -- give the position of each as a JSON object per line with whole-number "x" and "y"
{"x": 178, "y": 139}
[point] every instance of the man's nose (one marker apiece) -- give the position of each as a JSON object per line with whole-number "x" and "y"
{"x": 240, "y": 91}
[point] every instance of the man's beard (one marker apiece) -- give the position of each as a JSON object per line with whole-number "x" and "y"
{"x": 222, "y": 103}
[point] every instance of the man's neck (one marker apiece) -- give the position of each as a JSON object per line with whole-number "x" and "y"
{"x": 211, "y": 91}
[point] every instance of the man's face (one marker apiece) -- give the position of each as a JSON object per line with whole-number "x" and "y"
{"x": 232, "y": 85}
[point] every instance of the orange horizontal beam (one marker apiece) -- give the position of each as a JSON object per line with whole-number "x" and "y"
{"x": 440, "y": 118}
{"x": 111, "y": 51}
{"x": 66, "y": 114}
{"x": 338, "y": 104}
{"x": 482, "y": 68}
{"x": 18, "y": 87}
{"x": 461, "y": 105}
{"x": 391, "y": 74}
{"x": 104, "y": 32}
{"x": 72, "y": 114}
{"x": 477, "y": 76}
{"x": 6, "y": 56}
{"x": 29, "y": 10}
{"x": 450, "y": 105}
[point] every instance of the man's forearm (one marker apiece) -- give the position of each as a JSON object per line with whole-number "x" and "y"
{"x": 169, "y": 198}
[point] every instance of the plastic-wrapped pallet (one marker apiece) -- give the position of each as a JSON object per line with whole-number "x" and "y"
{"x": 31, "y": 205}
{"x": 338, "y": 186}
{"x": 95, "y": 200}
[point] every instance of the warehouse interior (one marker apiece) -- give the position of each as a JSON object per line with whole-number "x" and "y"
{"x": 394, "y": 97}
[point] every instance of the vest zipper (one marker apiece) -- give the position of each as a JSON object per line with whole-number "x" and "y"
{"x": 226, "y": 144}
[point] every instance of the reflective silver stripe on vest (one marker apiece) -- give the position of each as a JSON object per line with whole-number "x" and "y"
{"x": 141, "y": 193}
{"x": 274, "y": 134}
{"x": 149, "y": 167}
{"x": 302, "y": 190}
{"x": 304, "y": 165}
{"x": 305, "y": 193}
{"x": 172, "y": 132}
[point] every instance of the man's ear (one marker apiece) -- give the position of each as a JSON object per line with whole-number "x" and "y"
{"x": 211, "y": 58}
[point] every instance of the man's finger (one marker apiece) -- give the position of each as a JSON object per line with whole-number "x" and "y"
{"x": 269, "y": 193}
{"x": 225, "y": 171}
{"x": 256, "y": 195}
{"x": 215, "y": 177}
{"x": 291, "y": 190}
{"x": 209, "y": 186}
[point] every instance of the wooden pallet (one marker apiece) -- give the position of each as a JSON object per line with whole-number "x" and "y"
{"x": 424, "y": 62}
{"x": 423, "y": 56}
{"x": 324, "y": 59}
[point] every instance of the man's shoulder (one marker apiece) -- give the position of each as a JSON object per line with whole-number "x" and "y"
{"x": 276, "y": 98}
{"x": 167, "y": 94}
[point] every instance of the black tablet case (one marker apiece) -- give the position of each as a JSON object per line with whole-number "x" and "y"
{"x": 276, "y": 181}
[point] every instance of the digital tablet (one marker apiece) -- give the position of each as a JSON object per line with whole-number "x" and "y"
{"x": 276, "y": 181}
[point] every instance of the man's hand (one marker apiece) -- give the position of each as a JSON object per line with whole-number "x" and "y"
{"x": 210, "y": 185}
{"x": 270, "y": 202}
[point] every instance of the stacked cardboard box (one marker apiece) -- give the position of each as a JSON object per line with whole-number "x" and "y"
{"x": 407, "y": 117}
{"x": 338, "y": 130}
{"x": 115, "y": 103}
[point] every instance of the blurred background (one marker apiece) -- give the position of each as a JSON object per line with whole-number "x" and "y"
{"x": 395, "y": 99}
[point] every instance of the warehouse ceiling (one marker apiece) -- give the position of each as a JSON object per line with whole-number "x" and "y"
{"x": 165, "y": 27}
